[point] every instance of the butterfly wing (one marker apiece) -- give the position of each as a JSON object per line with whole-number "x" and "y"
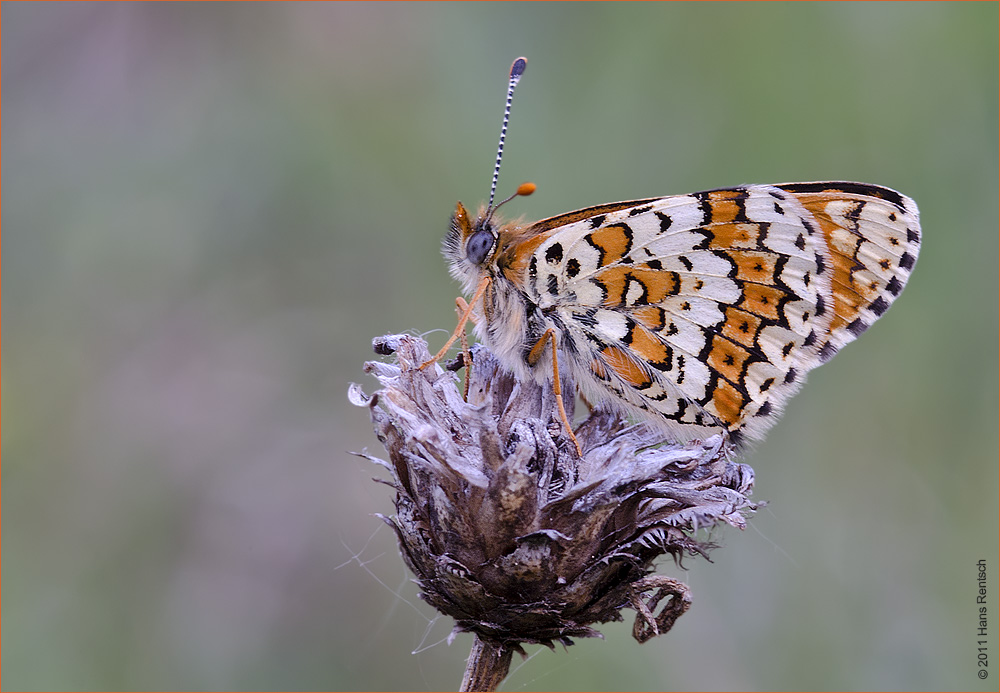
{"x": 704, "y": 311}
{"x": 873, "y": 235}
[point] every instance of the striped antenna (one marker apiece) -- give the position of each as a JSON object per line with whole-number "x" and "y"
{"x": 516, "y": 70}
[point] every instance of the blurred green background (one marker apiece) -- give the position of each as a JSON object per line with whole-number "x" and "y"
{"x": 210, "y": 210}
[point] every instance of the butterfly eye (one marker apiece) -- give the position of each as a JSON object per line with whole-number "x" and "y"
{"x": 479, "y": 245}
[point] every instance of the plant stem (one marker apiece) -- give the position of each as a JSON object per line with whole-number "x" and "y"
{"x": 489, "y": 662}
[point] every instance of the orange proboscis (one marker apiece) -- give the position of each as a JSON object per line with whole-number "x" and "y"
{"x": 460, "y": 329}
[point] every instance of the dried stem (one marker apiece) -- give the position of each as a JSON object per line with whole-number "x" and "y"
{"x": 489, "y": 662}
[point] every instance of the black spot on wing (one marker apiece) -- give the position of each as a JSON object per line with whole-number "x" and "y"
{"x": 665, "y": 221}
{"x": 855, "y": 212}
{"x": 857, "y": 327}
{"x": 820, "y": 264}
{"x": 553, "y": 285}
{"x": 588, "y": 318}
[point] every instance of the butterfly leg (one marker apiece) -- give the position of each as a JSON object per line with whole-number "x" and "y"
{"x": 533, "y": 356}
{"x": 461, "y": 307}
{"x": 460, "y": 330}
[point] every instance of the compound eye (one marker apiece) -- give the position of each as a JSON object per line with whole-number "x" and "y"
{"x": 479, "y": 246}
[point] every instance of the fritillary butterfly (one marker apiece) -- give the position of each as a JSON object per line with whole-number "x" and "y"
{"x": 697, "y": 313}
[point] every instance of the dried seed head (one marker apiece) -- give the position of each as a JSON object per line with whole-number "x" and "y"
{"x": 510, "y": 532}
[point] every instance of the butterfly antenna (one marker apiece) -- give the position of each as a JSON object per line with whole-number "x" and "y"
{"x": 516, "y": 70}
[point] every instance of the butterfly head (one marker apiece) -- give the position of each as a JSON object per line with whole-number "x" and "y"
{"x": 471, "y": 245}
{"x": 464, "y": 260}
{"x": 479, "y": 239}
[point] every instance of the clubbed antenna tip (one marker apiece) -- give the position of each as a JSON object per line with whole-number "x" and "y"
{"x": 516, "y": 70}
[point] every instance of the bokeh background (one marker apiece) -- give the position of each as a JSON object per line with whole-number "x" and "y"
{"x": 209, "y": 210}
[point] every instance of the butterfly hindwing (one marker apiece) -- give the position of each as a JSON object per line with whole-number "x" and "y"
{"x": 706, "y": 310}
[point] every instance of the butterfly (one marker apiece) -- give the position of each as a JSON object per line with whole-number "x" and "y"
{"x": 697, "y": 313}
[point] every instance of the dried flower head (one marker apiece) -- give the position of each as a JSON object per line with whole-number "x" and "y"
{"x": 512, "y": 533}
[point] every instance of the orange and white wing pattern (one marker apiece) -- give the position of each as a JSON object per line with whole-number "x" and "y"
{"x": 705, "y": 311}
{"x": 699, "y": 312}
